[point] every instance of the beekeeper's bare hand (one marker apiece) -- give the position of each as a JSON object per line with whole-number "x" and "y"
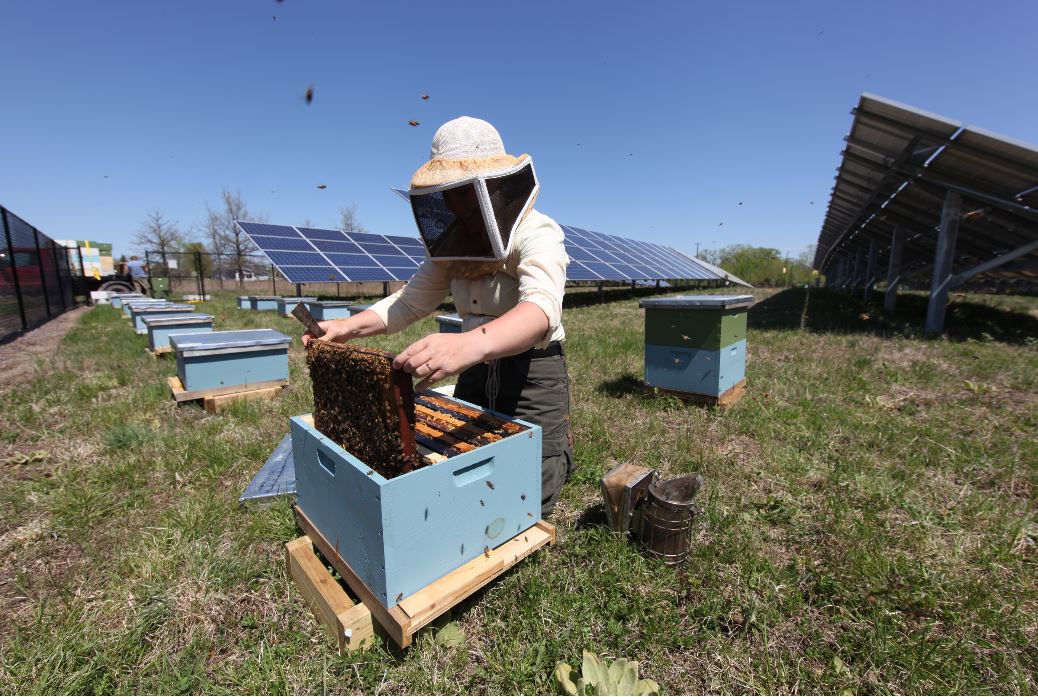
{"x": 340, "y": 331}
{"x": 440, "y": 356}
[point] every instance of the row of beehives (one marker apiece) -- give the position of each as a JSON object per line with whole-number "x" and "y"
{"x": 699, "y": 340}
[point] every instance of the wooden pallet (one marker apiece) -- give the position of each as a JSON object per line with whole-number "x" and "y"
{"x": 354, "y": 625}
{"x": 723, "y": 400}
{"x": 160, "y": 351}
{"x": 217, "y": 399}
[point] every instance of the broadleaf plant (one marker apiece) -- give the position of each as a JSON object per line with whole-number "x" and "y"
{"x": 599, "y": 677}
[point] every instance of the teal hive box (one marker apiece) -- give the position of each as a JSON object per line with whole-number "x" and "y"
{"x": 696, "y": 344}
{"x": 160, "y": 327}
{"x": 401, "y": 534}
{"x": 264, "y": 302}
{"x": 357, "y": 309}
{"x": 449, "y": 324}
{"x": 130, "y": 304}
{"x": 117, "y": 299}
{"x": 329, "y": 309}
{"x": 231, "y": 361}
{"x": 286, "y": 305}
{"x": 139, "y": 312}
{"x": 244, "y": 302}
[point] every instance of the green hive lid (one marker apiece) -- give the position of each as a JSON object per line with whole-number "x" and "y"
{"x": 698, "y": 302}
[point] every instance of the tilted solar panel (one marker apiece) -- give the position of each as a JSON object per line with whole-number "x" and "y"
{"x": 313, "y": 255}
{"x": 354, "y": 256}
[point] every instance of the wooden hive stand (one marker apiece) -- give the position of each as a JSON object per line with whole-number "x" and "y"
{"x": 217, "y": 399}
{"x": 160, "y": 351}
{"x": 722, "y": 401}
{"x": 353, "y": 625}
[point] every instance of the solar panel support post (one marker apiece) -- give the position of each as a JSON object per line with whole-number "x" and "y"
{"x": 274, "y": 279}
{"x": 14, "y": 268}
{"x": 856, "y": 273}
{"x": 601, "y": 296}
{"x": 897, "y": 243}
{"x": 870, "y": 271}
{"x": 299, "y": 290}
{"x": 963, "y": 276}
{"x": 385, "y": 289}
{"x": 942, "y": 262}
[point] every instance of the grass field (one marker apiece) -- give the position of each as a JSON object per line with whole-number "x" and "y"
{"x": 869, "y": 521}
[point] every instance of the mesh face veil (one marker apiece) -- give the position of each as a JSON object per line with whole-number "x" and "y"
{"x": 474, "y": 218}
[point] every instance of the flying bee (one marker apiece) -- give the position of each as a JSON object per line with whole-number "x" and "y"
{"x": 309, "y": 94}
{"x": 490, "y": 484}
{"x": 425, "y": 97}
{"x": 322, "y": 186}
{"x": 412, "y": 123}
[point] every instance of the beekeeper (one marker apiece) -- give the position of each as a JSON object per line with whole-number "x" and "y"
{"x": 504, "y": 263}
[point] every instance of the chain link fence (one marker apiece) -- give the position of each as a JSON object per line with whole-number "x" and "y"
{"x": 36, "y": 283}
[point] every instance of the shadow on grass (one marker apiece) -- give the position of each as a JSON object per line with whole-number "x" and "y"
{"x": 835, "y": 312}
{"x": 626, "y": 384}
{"x": 593, "y": 516}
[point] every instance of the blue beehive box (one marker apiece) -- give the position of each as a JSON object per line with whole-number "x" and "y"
{"x": 401, "y": 534}
{"x": 286, "y": 305}
{"x": 231, "y": 361}
{"x": 329, "y": 309}
{"x": 696, "y": 344}
{"x": 116, "y": 299}
{"x": 244, "y": 302}
{"x": 264, "y": 302}
{"x": 130, "y": 304}
{"x": 160, "y": 327}
{"x": 139, "y": 312}
{"x": 449, "y": 324}
{"x": 357, "y": 309}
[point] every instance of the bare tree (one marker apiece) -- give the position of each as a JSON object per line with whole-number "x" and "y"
{"x": 238, "y": 245}
{"x": 216, "y": 240}
{"x": 348, "y": 219}
{"x": 159, "y": 235}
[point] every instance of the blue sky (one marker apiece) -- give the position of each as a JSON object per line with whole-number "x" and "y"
{"x": 646, "y": 120}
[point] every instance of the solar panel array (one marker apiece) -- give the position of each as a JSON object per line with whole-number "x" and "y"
{"x": 897, "y": 167}
{"x": 310, "y": 255}
{"x": 313, "y": 255}
{"x": 594, "y": 256}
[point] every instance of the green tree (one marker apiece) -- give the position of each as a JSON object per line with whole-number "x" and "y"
{"x": 190, "y": 263}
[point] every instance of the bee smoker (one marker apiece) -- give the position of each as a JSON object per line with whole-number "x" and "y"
{"x": 658, "y": 514}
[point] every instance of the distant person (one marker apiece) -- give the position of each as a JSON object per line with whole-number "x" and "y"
{"x": 504, "y": 263}
{"x": 136, "y": 268}
{"x": 134, "y": 271}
